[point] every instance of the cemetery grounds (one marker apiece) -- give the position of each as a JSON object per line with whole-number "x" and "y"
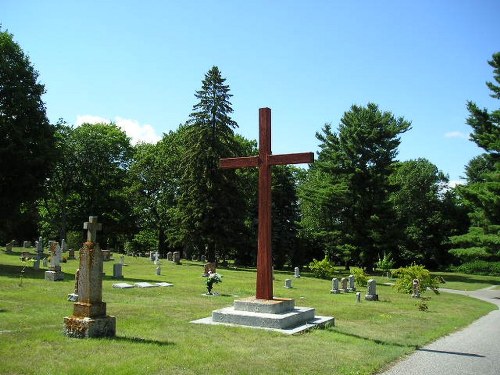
{"x": 154, "y": 334}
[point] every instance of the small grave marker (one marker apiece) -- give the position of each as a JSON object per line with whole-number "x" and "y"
{"x": 296, "y": 272}
{"x": 335, "y": 286}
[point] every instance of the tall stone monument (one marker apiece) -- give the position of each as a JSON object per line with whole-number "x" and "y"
{"x": 89, "y": 317}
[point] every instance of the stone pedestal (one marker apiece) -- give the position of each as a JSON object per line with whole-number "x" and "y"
{"x": 276, "y": 314}
{"x": 54, "y": 274}
{"x": 71, "y": 254}
{"x": 89, "y": 317}
{"x": 90, "y": 327}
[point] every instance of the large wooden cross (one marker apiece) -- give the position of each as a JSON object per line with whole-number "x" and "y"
{"x": 264, "y": 161}
{"x": 92, "y": 227}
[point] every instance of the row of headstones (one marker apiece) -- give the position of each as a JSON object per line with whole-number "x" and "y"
{"x": 171, "y": 256}
{"x": 371, "y": 294}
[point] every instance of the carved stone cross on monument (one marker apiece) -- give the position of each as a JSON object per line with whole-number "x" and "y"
{"x": 92, "y": 227}
{"x": 264, "y": 161}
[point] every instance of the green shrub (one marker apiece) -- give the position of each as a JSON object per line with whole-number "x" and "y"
{"x": 385, "y": 264}
{"x": 406, "y": 275}
{"x": 480, "y": 267}
{"x": 322, "y": 269}
{"x": 74, "y": 239}
{"x": 359, "y": 276}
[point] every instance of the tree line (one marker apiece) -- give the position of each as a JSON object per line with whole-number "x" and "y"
{"x": 354, "y": 205}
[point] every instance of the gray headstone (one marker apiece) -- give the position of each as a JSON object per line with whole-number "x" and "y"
{"x": 158, "y": 270}
{"x": 358, "y": 296}
{"x": 117, "y": 271}
{"x": 335, "y": 286}
{"x": 170, "y": 256}
{"x": 176, "y": 257}
{"x": 371, "y": 294}
{"x": 352, "y": 287}
{"x": 288, "y": 283}
{"x": 203, "y": 258}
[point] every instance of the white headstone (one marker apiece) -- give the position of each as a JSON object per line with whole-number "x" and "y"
{"x": 296, "y": 272}
{"x": 117, "y": 271}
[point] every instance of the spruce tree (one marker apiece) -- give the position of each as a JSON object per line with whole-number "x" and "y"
{"x": 211, "y": 208}
{"x": 482, "y": 192}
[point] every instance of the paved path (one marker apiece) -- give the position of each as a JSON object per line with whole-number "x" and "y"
{"x": 474, "y": 350}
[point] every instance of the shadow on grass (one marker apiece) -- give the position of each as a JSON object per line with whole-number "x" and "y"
{"x": 376, "y": 341}
{"x": 138, "y": 340}
{"x": 15, "y": 271}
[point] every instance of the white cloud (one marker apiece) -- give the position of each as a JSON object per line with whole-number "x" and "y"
{"x": 454, "y": 183}
{"x": 136, "y": 131}
{"x": 456, "y": 134}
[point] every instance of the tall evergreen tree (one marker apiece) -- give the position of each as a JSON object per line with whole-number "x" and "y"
{"x": 347, "y": 192}
{"x": 26, "y": 137}
{"x": 211, "y": 209}
{"x": 482, "y": 191}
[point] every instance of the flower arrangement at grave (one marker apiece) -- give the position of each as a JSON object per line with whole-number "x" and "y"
{"x": 213, "y": 278}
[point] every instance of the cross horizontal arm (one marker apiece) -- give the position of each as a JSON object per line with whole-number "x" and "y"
{"x": 303, "y": 157}
{"x": 228, "y": 163}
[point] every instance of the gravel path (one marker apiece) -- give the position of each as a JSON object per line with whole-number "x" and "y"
{"x": 473, "y": 350}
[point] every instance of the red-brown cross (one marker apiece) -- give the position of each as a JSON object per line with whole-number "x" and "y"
{"x": 264, "y": 161}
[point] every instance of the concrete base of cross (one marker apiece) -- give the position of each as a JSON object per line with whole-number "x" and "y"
{"x": 90, "y": 327}
{"x": 278, "y": 315}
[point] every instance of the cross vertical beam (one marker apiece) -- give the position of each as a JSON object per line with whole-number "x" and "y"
{"x": 264, "y": 288}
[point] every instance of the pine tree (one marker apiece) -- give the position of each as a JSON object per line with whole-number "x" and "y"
{"x": 211, "y": 208}
{"x": 347, "y": 192}
{"x": 482, "y": 192}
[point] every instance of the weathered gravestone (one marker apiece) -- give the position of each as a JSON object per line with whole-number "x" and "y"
{"x": 64, "y": 245}
{"x": 371, "y": 294}
{"x": 335, "y": 286}
{"x": 39, "y": 253}
{"x": 117, "y": 271}
{"x": 352, "y": 287}
{"x": 71, "y": 254}
{"x": 264, "y": 310}
{"x": 296, "y": 272}
{"x": 343, "y": 283}
{"x": 8, "y": 247}
{"x": 106, "y": 255}
{"x": 176, "y": 257}
{"x": 26, "y": 244}
{"x": 170, "y": 256}
{"x": 89, "y": 317}
{"x": 54, "y": 273}
{"x": 288, "y": 283}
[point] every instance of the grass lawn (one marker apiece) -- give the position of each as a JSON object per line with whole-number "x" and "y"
{"x": 155, "y": 336}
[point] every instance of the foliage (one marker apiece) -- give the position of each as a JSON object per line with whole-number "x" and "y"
{"x": 481, "y": 195}
{"x": 406, "y": 275}
{"x": 211, "y": 209}
{"x": 74, "y": 239}
{"x": 322, "y": 269}
{"x": 26, "y": 137}
{"x": 359, "y": 275}
{"x": 346, "y": 195}
{"x": 89, "y": 179}
{"x": 421, "y": 205}
{"x": 480, "y": 267}
{"x": 386, "y": 263}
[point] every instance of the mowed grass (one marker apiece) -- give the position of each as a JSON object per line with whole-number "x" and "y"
{"x": 155, "y": 336}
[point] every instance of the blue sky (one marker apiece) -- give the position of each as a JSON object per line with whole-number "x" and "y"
{"x": 139, "y": 63}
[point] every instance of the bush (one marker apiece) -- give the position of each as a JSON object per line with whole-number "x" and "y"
{"x": 406, "y": 275}
{"x": 480, "y": 267}
{"x": 359, "y": 276}
{"x": 74, "y": 239}
{"x": 322, "y": 269}
{"x": 385, "y": 264}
